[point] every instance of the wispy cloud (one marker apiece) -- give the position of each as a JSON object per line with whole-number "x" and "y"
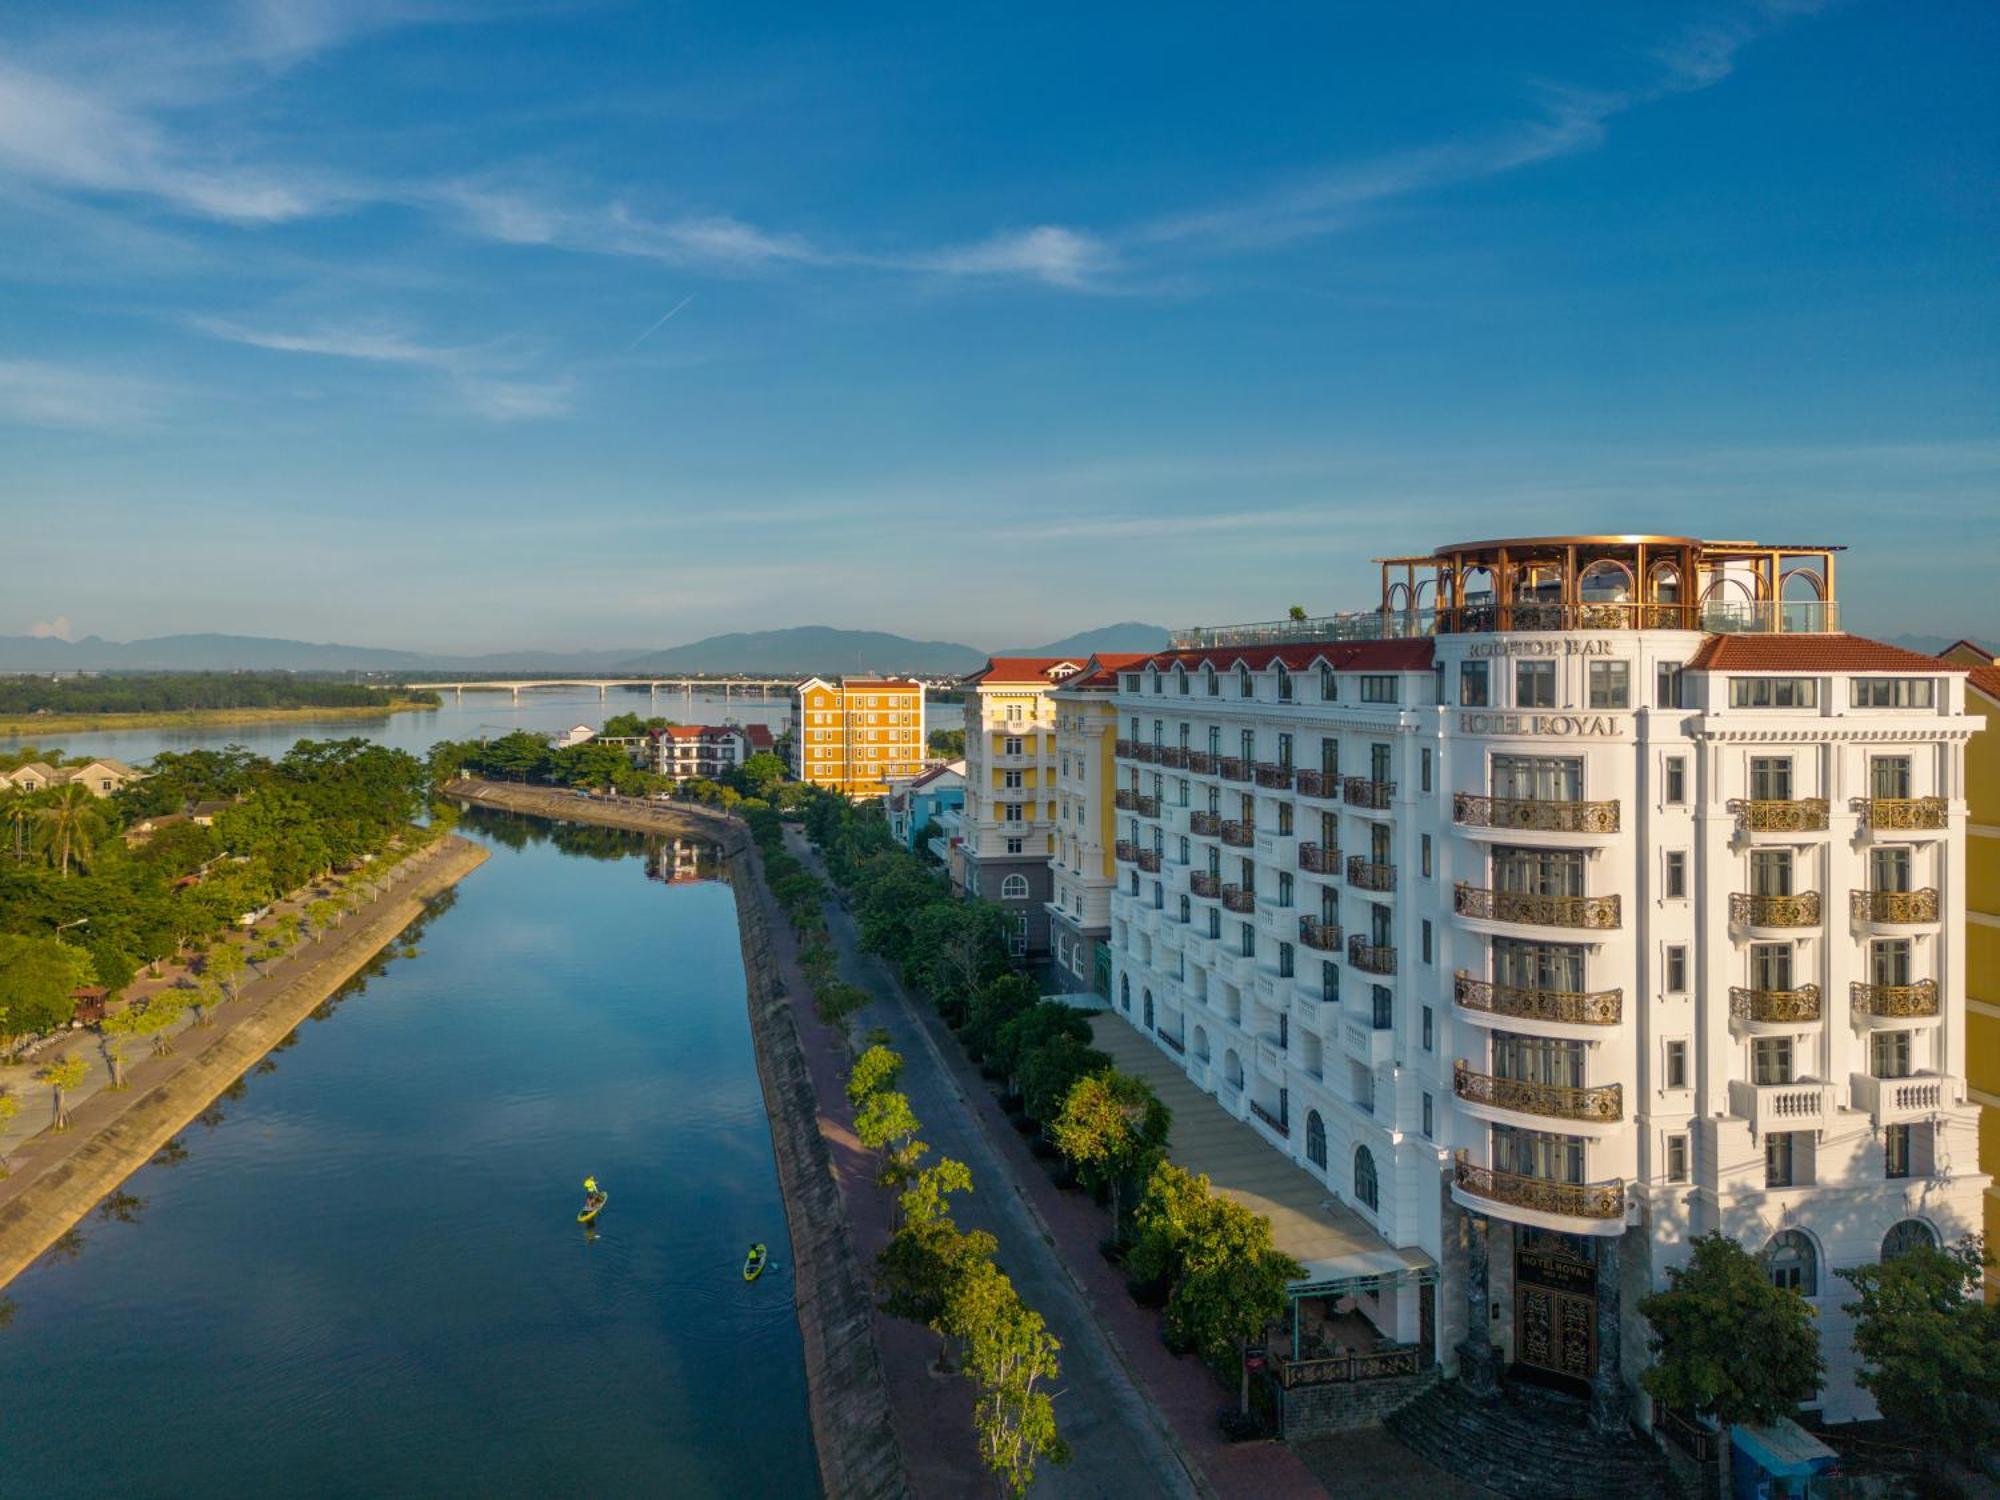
{"x": 34, "y": 393}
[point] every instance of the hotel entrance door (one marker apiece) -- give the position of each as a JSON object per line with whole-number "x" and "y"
{"x": 1555, "y": 1304}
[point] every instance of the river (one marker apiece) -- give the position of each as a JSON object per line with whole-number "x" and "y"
{"x": 363, "y": 1276}
{"x": 478, "y": 715}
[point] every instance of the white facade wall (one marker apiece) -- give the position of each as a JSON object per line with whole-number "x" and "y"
{"x": 1249, "y": 1032}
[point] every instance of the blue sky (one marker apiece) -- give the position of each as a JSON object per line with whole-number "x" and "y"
{"x": 344, "y": 320}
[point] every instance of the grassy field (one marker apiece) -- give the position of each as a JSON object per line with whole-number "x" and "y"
{"x": 41, "y": 727}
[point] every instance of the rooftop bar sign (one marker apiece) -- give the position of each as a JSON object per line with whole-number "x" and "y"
{"x": 1539, "y": 724}
{"x": 1542, "y": 645}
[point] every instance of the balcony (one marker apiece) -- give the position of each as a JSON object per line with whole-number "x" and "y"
{"x": 1365, "y": 875}
{"x": 1233, "y": 768}
{"x": 1903, "y": 814}
{"x": 1144, "y": 753}
{"x": 1149, "y": 861}
{"x": 1564, "y": 1007}
{"x": 1123, "y": 748}
{"x": 1146, "y": 807}
{"x": 1371, "y": 958}
{"x": 1271, "y": 1054}
{"x": 1126, "y": 799}
{"x": 1238, "y": 833}
{"x": 1205, "y": 884}
{"x": 1570, "y": 1200}
{"x": 1175, "y": 757}
{"x": 1272, "y": 1121}
{"x": 1125, "y": 851}
{"x": 1779, "y": 815}
{"x": 1322, "y": 937}
{"x": 1594, "y": 913}
{"x": 1201, "y": 762}
{"x": 1774, "y": 1007}
{"x": 1804, "y": 1105}
{"x": 1270, "y": 773}
{"x": 1317, "y": 784}
{"x": 1895, "y": 1002}
{"x": 1802, "y": 910}
{"x": 1895, "y": 907}
{"x": 1238, "y": 900}
{"x": 1204, "y": 825}
{"x": 1172, "y": 1043}
{"x": 1599, "y": 1104}
{"x": 1895, "y": 1100}
{"x": 1361, "y": 792}
{"x": 1315, "y": 859}
{"x": 1534, "y": 814}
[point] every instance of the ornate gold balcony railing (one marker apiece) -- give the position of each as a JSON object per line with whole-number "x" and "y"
{"x": 1555, "y": 1101}
{"x": 1146, "y": 807}
{"x": 1201, "y": 762}
{"x": 1125, "y": 851}
{"x": 1201, "y": 883}
{"x": 1371, "y": 958}
{"x": 1142, "y": 751}
{"x": 1916, "y": 813}
{"x": 1323, "y": 937}
{"x": 1779, "y": 815}
{"x": 1575, "y": 1200}
{"x": 1205, "y": 824}
{"x": 1317, "y": 784}
{"x": 1802, "y": 910}
{"x": 1534, "y": 814}
{"x": 1125, "y": 799}
{"x": 1316, "y": 859}
{"x": 1365, "y": 875}
{"x": 1149, "y": 861}
{"x": 1236, "y": 899}
{"x": 1895, "y": 906}
{"x": 1596, "y": 913}
{"x": 1801, "y": 1004}
{"x": 1238, "y": 833}
{"x": 1361, "y": 792}
{"x": 1890, "y": 1002}
{"x": 1571, "y": 1007}
{"x": 1174, "y": 757}
{"x": 1123, "y": 748}
{"x": 1271, "y": 774}
{"x": 1233, "y": 768}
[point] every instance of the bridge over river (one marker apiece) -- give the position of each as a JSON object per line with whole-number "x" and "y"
{"x": 686, "y": 686}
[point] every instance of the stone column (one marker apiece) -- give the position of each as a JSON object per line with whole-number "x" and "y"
{"x": 1476, "y": 1365}
{"x": 1607, "y": 1385}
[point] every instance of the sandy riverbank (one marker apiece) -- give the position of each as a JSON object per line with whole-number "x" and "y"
{"x": 59, "y": 1179}
{"x": 38, "y": 728}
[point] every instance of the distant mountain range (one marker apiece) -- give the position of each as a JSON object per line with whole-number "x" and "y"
{"x": 800, "y": 650}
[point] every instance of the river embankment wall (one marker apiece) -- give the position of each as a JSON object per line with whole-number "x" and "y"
{"x": 847, "y": 1396}
{"x": 51, "y": 1202}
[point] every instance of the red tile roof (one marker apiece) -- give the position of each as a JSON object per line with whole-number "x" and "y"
{"x": 1987, "y": 681}
{"x": 1343, "y": 656}
{"x": 1809, "y": 653}
{"x": 1103, "y": 667}
{"x": 1021, "y": 669}
{"x": 759, "y": 735}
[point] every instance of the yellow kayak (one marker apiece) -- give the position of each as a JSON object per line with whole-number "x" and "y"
{"x": 753, "y": 1263}
{"x": 593, "y": 1205}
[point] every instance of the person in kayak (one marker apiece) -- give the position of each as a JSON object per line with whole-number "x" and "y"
{"x": 590, "y": 1185}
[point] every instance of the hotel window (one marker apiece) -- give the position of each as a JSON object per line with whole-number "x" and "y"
{"x": 1285, "y": 820}
{"x": 1892, "y": 692}
{"x": 1011, "y": 813}
{"x": 1474, "y": 684}
{"x": 1889, "y": 1054}
{"x": 1424, "y": 773}
{"x": 1771, "y": 872}
{"x": 1016, "y": 846}
{"x": 1677, "y": 1158}
{"x": 1424, "y": 855}
{"x": 1534, "y": 684}
{"x": 1014, "y": 779}
{"x": 1329, "y": 983}
{"x": 1329, "y": 685}
{"x": 1382, "y": 1006}
{"x": 1667, "y": 686}
{"x": 1246, "y": 940}
{"x": 1677, "y": 780}
{"x": 1214, "y": 683}
{"x": 1895, "y": 1151}
{"x": 1153, "y": 676}
{"x": 1771, "y": 966}
{"x": 1677, "y": 969}
{"x": 1677, "y": 1065}
{"x": 1430, "y": 1029}
{"x": 1285, "y": 961}
{"x": 1012, "y": 745}
{"x": 1774, "y": 692}
{"x": 1426, "y": 940}
{"x": 1014, "y": 888}
{"x": 1329, "y": 758}
{"x": 1771, "y": 1060}
{"x": 1780, "y": 1171}
{"x": 1284, "y": 685}
{"x": 1181, "y": 680}
{"x": 1770, "y": 778}
{"x": 1610, "y": 684}
{"x": 1889, "y": 870}
{"x": 1378, "y": 687}
{"x": 1677, "y": 874}
{"x": 1284, "y": 889}
{"x": 1889, "y": 777}
{"x": 1215, "y": 921}
{"x": 1428, "y": 1108}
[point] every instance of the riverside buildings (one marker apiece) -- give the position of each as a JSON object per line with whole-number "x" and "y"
{"x": 1006, "y": 831}
{"x": 1082, "y": 872}
{"x": 857, "y": 734}
{"x": 1590, "y": 894}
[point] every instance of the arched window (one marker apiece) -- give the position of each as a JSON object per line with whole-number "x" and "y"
{"x": 1284, "y": 685}
{"x": 1232, "y": 1069}
{"x": 1125, "y": 993}
{"x": 1365, "y": 1190}
{"x": 1180, "y": 679}
{"x": 1791, "y": 1262}
{"x": 1149, "y": 1010}
{"x": 1908, "y": 1235}
{"x": 1014, "y": 888}
{"x": 1315, "y": 1139}
{"x": 1208, "y": 677}
{"x": 1201, "y": 1044}
{"x": 1246, "y": 686}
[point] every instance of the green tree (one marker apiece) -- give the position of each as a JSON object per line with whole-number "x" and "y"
{"x": 156, "y": 1018}
{"x": 20, "y": 815}
{"x": 64, "y": 1075}
{"x": 1726, "y": 1341}
{"x": 1297, "y": 612}
{"x": 72, "y": 823}
{"x": 836, "y": 1004}
{"x": 37, "y": 977}
{"x": 993, "y": 1005}
{"x": 1051, "y": 1070}
{"x": 886, "y": 1124}
{"x": 947, "y": 744}
{"x": 1930, "y": 1344}
{"x": 919, "y": 1271}
{"x": 760, "y": 774}
{"x": 1112, "y": 1127}
{"x": 874, "y": 1070}
{"x": 1013, "y": 1357}
{"x": 226, "y": 962}
{"x": 323, "y": 915}
{"x": 10, "y": 1106}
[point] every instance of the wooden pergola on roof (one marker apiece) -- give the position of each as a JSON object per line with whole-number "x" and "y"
{"x": 1608, "y": 582}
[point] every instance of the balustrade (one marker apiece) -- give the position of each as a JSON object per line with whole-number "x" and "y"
{"x": 1365, "y": 875}
{"x": 1890, "y": 1002}
{"x": 1371, "y": 958}
{"x": 1570, "y": 1007}
{"x": 1601, "y": 1103}
{"x": 1271, "y": 774}
{"x": 1895, "y": 906}
{"x": 1575, "y": 1200}
{"x": 1238, "y": 833}
{"x": 1361, "y": 792}
{"x": 1315, "y": 860}
{"x": 1324, "y": 937}
{"x": 1802, "y": 910}
{"x": 1534, "y": 814}
{"x": 1597, "y": 913}
{"x": 1903, "y": 813}
{"x": 1801, "y": 1004}
{"x": 1779, "y": 815}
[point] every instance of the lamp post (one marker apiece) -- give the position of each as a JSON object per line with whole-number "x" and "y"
{"x": 62, "y": 927}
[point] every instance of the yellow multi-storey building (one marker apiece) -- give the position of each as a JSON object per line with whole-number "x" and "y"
{"x": 856, "y": 734}
{"x": 1081, "y": 869}
{"x": 1982, "y": 919}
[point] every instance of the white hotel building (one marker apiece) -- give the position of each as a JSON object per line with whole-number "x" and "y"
{"x": 1591, "y": 894}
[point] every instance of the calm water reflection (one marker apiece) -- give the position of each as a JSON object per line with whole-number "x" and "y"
{"x": 362, "y": 1276}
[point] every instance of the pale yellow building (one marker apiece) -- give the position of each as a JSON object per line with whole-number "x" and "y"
{"x": 857, "y": 734}
{"x": 1081, "y": 868}
{"x": 1982, "y": 918}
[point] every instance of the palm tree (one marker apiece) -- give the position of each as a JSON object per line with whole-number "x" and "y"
{"x": 20, "y": 814}
{"x": 71, "y": 825}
